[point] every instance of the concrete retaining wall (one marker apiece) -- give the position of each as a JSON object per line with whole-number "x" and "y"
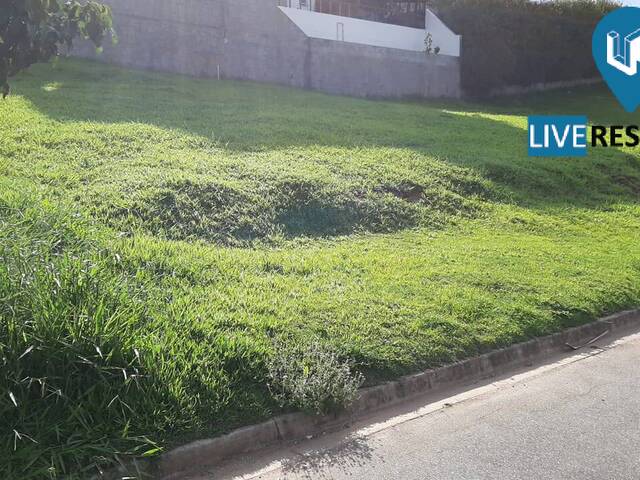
{"x": 363, "y": 70}
{"x": 198, "y": 37}
{"x": 255, "y": 40}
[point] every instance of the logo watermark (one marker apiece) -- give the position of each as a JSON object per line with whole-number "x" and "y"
{"x": 557, "y": 136}
{"x": 571, "y": 135}
{"x": 616, "y": 51}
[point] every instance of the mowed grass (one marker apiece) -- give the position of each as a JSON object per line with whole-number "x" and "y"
{"x": 160, "y": 233}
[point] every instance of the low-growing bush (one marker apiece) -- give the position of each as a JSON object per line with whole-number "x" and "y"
{"x": 312, "y": 378}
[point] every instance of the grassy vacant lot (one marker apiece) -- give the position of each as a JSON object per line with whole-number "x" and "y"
{"x": 158, "y": 233}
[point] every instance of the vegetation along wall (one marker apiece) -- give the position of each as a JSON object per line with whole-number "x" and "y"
{"x": 508, "y": 43}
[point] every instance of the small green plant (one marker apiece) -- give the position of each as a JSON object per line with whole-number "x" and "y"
{"x": 428, "y": 45}
{"x": 312, "y": 378}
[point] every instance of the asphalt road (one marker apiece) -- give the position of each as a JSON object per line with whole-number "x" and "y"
{"x": 578, "y": 418}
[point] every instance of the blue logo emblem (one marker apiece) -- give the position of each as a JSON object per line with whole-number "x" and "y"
{"x": 616, "y": 50}
{"x": 557, "y": 136}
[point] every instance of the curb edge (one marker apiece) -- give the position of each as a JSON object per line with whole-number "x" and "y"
{"x": 297, "y": 426}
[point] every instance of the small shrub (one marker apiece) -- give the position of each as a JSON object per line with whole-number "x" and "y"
{"x": 312, "y": 378}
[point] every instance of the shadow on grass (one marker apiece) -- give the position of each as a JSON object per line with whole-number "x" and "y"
{"x": 488, "y": 138}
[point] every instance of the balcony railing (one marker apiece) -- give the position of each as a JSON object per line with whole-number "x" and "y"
{"x": 408, "y": 14}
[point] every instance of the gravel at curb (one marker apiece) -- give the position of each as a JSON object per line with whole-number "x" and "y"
{"x": 297, "y": 426}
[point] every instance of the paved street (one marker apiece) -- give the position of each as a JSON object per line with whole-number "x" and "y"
{"x": 578, "y": 418}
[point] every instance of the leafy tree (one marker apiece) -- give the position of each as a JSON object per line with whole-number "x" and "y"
{"x": 33, "y": 31}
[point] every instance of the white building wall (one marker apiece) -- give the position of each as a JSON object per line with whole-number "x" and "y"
{"x": 365, "y": 32}
{"x": 442, "y": 36}
{"x": 354, "y": 30}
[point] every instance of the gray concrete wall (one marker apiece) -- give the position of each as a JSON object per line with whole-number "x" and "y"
{"x": 165, "y": 35}
{"x": 247, "y": 39}
{"x": 254, "y": 40}
{"x": 363, "y": 70}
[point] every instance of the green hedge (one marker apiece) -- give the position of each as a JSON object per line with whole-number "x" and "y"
{"x": 521, "y": 43}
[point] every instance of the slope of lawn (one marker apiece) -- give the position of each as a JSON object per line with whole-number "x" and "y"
{"x": 158, "y": 234}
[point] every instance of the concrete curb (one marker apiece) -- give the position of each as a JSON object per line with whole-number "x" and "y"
{"x": 544, "y": 87}
{"x": 297, "y": 426}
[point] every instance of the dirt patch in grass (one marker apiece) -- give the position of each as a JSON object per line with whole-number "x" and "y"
{"x": 407, "y": 191}
{"x": 630, "y": 183}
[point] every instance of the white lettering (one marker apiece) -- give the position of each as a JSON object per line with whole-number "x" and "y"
{"x": 579, "y": 133}
{"x": 565, "y": 134}
{"x": 532, "y": 137}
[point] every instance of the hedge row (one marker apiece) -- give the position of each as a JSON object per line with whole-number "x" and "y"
{"x": 520, "y": 42}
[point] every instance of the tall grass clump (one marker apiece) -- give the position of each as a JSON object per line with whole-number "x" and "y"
{"x": 67, "y": 362}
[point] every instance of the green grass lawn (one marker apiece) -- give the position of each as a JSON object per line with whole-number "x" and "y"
{"x": 158, "y": 233}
